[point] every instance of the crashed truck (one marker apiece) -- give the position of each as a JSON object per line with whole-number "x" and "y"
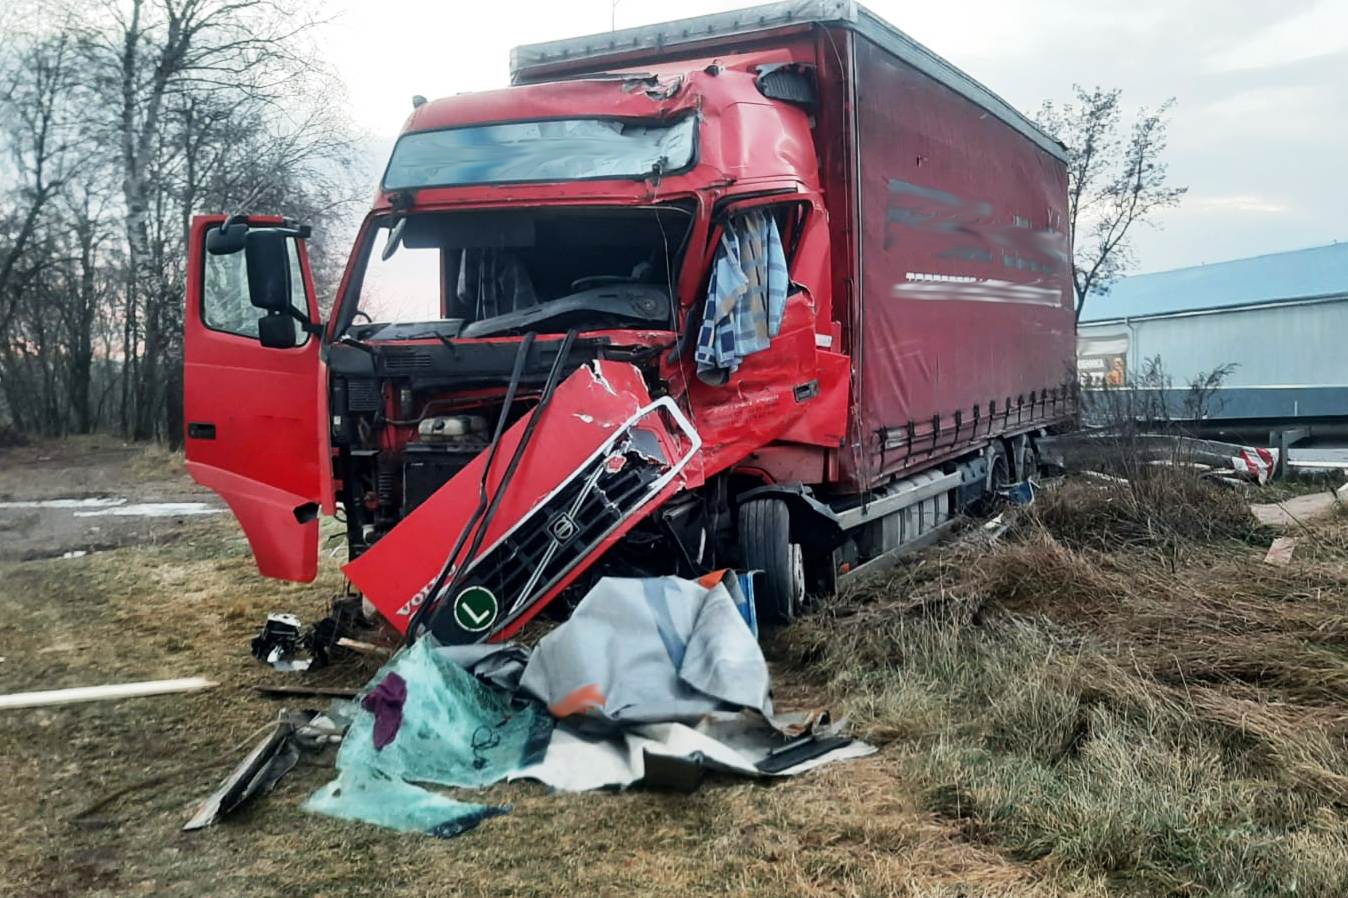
{"x": 778, "y": 290}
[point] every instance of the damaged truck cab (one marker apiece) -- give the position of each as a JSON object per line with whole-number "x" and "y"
{"x": 678, "y": 300}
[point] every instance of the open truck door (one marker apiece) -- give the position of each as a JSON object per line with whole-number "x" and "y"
{"x": 252, "y": 385}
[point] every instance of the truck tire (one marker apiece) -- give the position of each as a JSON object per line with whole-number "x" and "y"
{"x": 999, "y": 477}
{"x": 1030, "y": 463}
{"x": 765, "y": 545}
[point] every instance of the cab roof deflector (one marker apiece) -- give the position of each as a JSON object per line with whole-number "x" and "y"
{"x": 567, "y": 58}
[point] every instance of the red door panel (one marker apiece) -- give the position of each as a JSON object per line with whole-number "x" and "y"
{"x": 254, "y": 414}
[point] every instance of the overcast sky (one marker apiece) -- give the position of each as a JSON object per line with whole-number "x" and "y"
{"x": 1259, "y": 132}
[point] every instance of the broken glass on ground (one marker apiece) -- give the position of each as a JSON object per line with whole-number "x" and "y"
{"x": 374, "y": 797}
{"x": 451, "y": 730}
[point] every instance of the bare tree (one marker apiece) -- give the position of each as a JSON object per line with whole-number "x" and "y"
{"x": 1114, "y": 181}
{"x": 89, "y": 289}
{"x": 40, "y": 143}
{"x": 123, "y": 118}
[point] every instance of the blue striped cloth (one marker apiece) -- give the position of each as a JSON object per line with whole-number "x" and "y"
{"x": 746, "y": 296}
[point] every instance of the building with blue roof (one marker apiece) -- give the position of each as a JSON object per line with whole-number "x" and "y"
{"x": 1281, "y": 319}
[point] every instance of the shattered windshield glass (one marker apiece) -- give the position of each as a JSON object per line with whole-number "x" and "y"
{"x": 543, "y": 269}
{"x": 555, "y": 150}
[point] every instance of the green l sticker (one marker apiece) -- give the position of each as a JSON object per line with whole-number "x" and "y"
{"x": 475, "y": 609}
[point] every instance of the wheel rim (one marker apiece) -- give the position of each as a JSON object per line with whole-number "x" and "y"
{"x": 797, "y": 577}
{"x": 1001, "y": 476}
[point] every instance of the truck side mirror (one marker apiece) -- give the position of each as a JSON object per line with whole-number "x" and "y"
{"x": 276, "y": 330}
{"x": 268, "y": 262}
{"x": 227, "y": 238}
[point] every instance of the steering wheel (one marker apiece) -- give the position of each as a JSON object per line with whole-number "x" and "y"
{"x": 365, "y": 314}
{"x": 600, "y": 280}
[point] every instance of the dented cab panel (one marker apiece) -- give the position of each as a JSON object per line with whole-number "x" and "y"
{"x": 611, "y": 455}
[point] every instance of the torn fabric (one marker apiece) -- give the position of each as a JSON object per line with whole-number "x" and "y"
{"x": 497, "y": 664}
{"x": 746, "y": 296}
{"x": 385, "y": 702}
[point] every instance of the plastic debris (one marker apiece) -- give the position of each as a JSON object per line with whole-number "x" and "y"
{"x": 1021, "y": 493}
{"x": 280, "y": 641}
{"x": 1280, "y": 551}
{"x": 257, "y": 774}
{"x": 1103, "y": 477}
{"x": 1255, "y": 463}
{"x": 668, "y": 672}
{"x": 654, "y": 680}
{"x": 455, "y": 730}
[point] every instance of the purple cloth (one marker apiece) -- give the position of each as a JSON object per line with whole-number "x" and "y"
{"x": 385, "y": 702}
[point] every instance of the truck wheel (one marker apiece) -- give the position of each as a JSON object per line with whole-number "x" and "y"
{"x": 1001, "y": 472}
{"x": 999, "y": 478}
{"x": 1030, "y": 463}
{"x": 765, "y": 545}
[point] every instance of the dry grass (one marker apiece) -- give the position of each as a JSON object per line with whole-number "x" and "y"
{"x": 90, "y": 465}
{"x": 1112, "y": 712}
{"x": 189, "y": 606}
{"x": 1302, "y": 482}
{"x": 1159, "y": 508}
{"x": 1121, "y": 694}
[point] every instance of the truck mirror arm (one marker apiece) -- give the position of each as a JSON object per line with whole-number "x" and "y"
{"x": 230, "y": 235}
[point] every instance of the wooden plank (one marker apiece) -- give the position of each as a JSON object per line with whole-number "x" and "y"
{"x": 110, "y": 692}
{"x": 364, "y": 648}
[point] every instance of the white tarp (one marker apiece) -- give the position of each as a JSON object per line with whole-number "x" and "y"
{"x": 657, "y": 666}
{"x": 733, "y": 744}
{"x": 646, "y": 650}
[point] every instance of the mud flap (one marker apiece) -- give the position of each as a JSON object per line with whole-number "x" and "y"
{"x": 602, "y": 458}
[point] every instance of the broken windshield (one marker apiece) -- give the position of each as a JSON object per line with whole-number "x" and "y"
{"x": 499, "y": 271}
{"x": 554, "y": 150}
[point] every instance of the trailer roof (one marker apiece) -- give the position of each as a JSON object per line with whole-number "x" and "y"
{"x": 536, "y": 62}
{"x": 1317, "y": 273}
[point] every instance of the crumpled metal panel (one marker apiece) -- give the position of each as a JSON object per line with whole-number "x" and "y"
{"x": 591, "y": 410}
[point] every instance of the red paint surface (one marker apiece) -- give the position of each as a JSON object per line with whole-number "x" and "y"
{"x": 586, "y": 409}
{"x": 983, "y": 192}
{"x": 269, "y": 455}
{"x": 949, "y": 191}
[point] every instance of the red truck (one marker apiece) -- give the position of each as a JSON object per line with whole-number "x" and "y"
{"x": 777, "y": 289}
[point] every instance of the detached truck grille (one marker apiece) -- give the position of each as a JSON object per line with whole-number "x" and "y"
{"x": 525, "y": 564}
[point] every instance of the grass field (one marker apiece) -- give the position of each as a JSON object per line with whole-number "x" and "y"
{"x": 1115, "y": 698}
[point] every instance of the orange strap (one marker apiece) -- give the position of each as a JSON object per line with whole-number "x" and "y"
{"x": 578, "y": 701}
